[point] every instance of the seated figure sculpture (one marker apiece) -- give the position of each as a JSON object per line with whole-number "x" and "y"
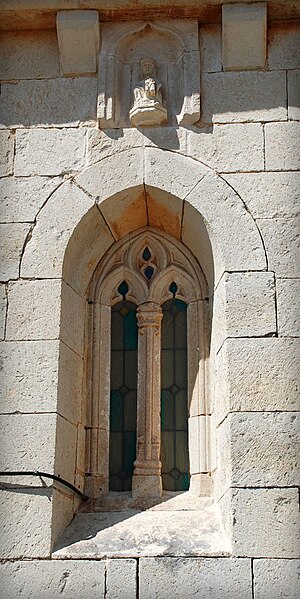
{"x": 148, "y": 109}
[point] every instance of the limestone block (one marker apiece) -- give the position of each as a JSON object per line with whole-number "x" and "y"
{"x": 23, "y": 450}
{"x": 268, "y": 195}
{"x": 200, "y": 444}
{"x": 104, "y": 178}
{"x": 29, "y": 376}
{"x": 265, "y": 522}
{"x": 121, "y": 578}
{"x": 33, "y": 310}
{"x": 63, "y": 510}
{"x": 284, "y": 45}
{"x": 78, "y": 41}
{"x": 103, "y": 143}
{"x": 21, "y": 198}
{"x": 173, "y": 177}
{"x": 282, "y": 146}
{"x": 288, "y": 307}
{"x": 228, "y": 148}
{"x": 220, "y": 207}
{"x": 282, "y": 242}
{"x": 265, "y": 449}
{"x": 44, "y": 254}
{"x": 3, "y": 309}
{"x": 88, "y": 243}
{"x": 69, "y": 384}
{"x": 276, "y": 579}
{"x": 65, "y": 451}
{"x": 49, "y": 151}
{"x": 191, "y": 578}
{"x": 294, "y": 94}
{"x": 28, "y": 54}
{"x": 25, "y": 520}
{"x": 73, "y": 315}
{"x": 244, "y": 36}
{"x": 210, "y": 48}
{"x": 13, "y": 236}
{"x": 244, "y": 306}
{"x": 223, "y": 472}
{"x": 168, "y": 138}
{"x": 43, "y": 103}
{"x": 73, "y": 579}
{"x": 257, "y": 375}
{"x": 6, "y": 153}
{"x": 243, "y": 97}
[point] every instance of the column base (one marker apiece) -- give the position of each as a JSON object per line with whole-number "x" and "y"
{"x": 201, "y": 485}
{"x": 144, "y": 486}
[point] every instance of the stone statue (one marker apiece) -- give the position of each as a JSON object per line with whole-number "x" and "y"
{"x": 148, "y": 109}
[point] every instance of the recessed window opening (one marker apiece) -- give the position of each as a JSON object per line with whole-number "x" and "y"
{"x": 123, "y": 393}
{"x": 174, "y": 412}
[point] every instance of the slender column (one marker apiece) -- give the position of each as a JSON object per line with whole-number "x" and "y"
{"x": 147, "y": 472}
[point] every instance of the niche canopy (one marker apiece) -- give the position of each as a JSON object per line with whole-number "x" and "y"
{"x": 149, "y": 74}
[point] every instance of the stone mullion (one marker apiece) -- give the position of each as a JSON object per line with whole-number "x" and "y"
{"x": 147, "y": 472}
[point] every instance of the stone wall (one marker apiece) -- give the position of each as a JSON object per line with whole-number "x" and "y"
{"x": 232, "y": 181}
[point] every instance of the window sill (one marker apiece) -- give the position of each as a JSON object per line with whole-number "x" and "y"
{"x": 179, "y": 525}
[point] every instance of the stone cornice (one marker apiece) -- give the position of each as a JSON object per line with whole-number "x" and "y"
{"x": 41, "y": 14}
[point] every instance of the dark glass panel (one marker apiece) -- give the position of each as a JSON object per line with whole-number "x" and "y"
{"x": 122, "y": 446}
{"x": 148, "y": 272}
{"x": 174, "y": 416}
{"x": 123, "y": 289}
{"x": 146, "y": 254}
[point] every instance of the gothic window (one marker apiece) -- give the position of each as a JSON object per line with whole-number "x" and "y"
{"x": 148, "y": 350}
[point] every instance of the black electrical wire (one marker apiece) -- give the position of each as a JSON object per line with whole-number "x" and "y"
{"x": 46, "y": 475}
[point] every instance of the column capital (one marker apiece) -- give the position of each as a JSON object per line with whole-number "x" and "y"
{"x": 149, "y": 314}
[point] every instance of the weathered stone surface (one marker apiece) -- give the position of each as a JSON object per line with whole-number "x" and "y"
{"x": 245, "y": 96}
{"x": 121, "y": 581}
{"x": 73, "y": 316}
{"x": 193, "y": 529}
{"x": 88, "y": 243}
{"x": 228, "y": 148}
{"x": 13, "y": 236}
{"x": 69, "y": 384}
{"x": 28, "y": 451}
{"x": 276, "y": 579}
{"x": 294, "y": 94}
{"x": 33, "y": 310}
{"x": 49, "y": 579}
{"x": 78, "y": 40}
{"x": 194, "y": 578}
{"x": 265, "y": 522}
{"x": 44, "y": 254}
{"x": 288, "y": 307}
{"x": 265, "y": 449}
{"x": 6, "y": 153}
{"x": 21, "y": 198}
{"x": 28, "y": 54}
{"x": 43, "y": 103}
{"x": 22, "y": 510}
{"x": 65, "y": 451}
{"x": 101, "y": 144}
{"x": 3, "y": 308}
{"x": 244, "y": 36}
{"x": 257, "y": 375}
{"x": 49, "y": 152}
{"x": 282, "y": 242}
{"x": 282, "y": 146}
{"x": 173, "y": 177}
{"x": 244, "y": 306}
{"x": 29, "y": 371}
{"x": 284, "y": 46}
{"x": 268, "y": 195}
{"x": 103, "y": 179}
{"x": 220, "y": 207}
{"x": 210, "y": 48}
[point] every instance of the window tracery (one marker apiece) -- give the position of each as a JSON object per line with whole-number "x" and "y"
{"x": 156, "y": 276}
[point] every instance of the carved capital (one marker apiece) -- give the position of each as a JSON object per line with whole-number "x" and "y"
{"x": 149, "y": 315}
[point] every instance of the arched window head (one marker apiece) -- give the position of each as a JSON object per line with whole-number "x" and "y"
{"x": 148, "y": 323}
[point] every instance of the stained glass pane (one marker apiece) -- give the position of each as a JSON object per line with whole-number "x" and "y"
{"x": 174, "y": 417}
{"x": 122, "y": 446}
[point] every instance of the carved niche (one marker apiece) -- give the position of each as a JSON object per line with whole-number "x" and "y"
{"x": 149, "y": 74}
